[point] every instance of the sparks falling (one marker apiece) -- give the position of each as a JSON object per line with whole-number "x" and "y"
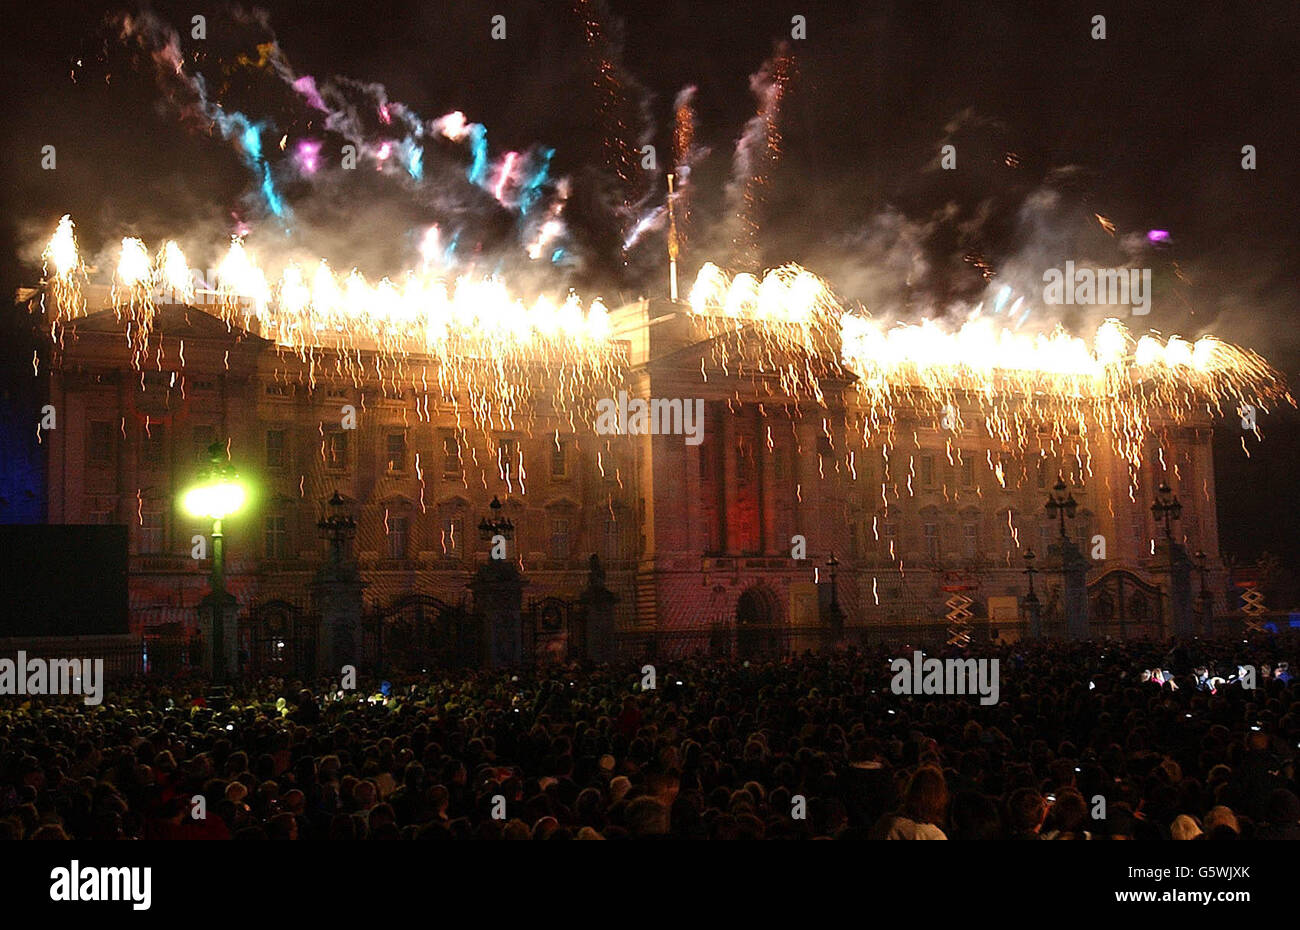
{"x": 1030, "y": 392}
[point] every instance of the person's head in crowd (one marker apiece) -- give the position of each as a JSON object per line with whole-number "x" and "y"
{"x": 925, "y": 799}
{"x": 1221, "y": 823}
{"x": 1026, "y": 811}
{"x": 647, "y": 816}
{"x": 1185, "y": 827}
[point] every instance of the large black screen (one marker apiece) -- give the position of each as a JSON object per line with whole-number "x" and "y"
{"x": 62, "y": 580}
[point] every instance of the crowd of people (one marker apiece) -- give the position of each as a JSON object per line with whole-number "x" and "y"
{"x": 1088, "y": 741}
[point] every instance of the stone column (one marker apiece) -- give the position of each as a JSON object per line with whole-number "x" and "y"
{"x": 1182, "y": 617}
{"x": 598, "y": 614}
{"x": 498, "y": 590}
{"x": 1074, "y": 571}
{"x": 337, "y": 601}
{"x": 1034, "y": 614}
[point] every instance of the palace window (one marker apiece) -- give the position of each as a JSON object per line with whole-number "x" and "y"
{"x": 613, "y": 540}
{"x": 560, "y": 459}
{"x": 451, "y": 455}
{"x": 560, "y": 538}
{"x": 927, "y": 471}
{"x": 398, "y": 536}
{"x": 151, "y": 532}
{"x": 336, "y": 450}
{"x": 277, "y": 536}
{"x": 507, "y": 458}
{"x": 202, "y": 437}
{"x": 395, "y": 453}
{"x": 275, "y": 449}
{"x": 932, "y": 541}
{"x": 453, "y": 537}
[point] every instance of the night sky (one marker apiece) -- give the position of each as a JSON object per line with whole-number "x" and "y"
{"x": 1051, "y": 127}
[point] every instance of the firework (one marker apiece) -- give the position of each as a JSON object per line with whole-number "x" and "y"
{"x": 64, "y": 270}
{"x": 786, "y": 330}
{"x": 613, "y": 108}
{"x": 1020, "y": 385}
{"x": 684, "y": 155}
{"x": 487, "y": 345}
{"x": 757, "y": 153}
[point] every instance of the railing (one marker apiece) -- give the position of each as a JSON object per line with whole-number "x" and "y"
{"x": 124, "y": 657}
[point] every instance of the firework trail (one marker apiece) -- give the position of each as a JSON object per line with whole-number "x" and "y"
{"x": 386, "y": 135}
{"x": 188, "y": 92}
{"x": 620, "y": 105}
{"x": 757, "y": 154}
{"x": 685, "y": 154}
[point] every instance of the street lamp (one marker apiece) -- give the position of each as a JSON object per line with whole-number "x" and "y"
{"x": 1031, "y": 599}
{"x": 217, "y": 495}
{"x": 338, "y": 527}
{"x": 1061, "y": 504}
{"x": 1167, "y": 507}
{"x": 1031, "y": 572}
{"x": 498, "y": 526}
{"x": 1205, "y": 597}
{"x": 835, "y": 610}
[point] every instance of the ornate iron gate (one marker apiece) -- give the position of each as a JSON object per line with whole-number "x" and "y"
{"x": 554, "y": 631}
{"x": 278, "y": 638}
{"x": 1122, "y": 604}
{"x": 419, "y": 631}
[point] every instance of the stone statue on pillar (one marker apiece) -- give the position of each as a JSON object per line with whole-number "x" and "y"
{"x": 498, "y": 590}
{"x": 1074, "y": 572}
{"x": 337, "y": 594}
{"x": 1181, "y": 621}
{"x": 1074, "y": 566}
{"x": 598, "y": 612}
{"x": 1172, "y": 559}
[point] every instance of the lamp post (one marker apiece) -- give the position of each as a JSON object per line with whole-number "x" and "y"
{"x": 1061, "y": 504}
{"x": 499, "y": 525}
{"x": 1166, "y": 507}
{"x": 1031, "y": 599}
{"x": 498, "y": 594}
{"x": 217, "y": 494}
{"x": 338, "y": 527}
{"x": 1202, "y": 566}
{"x": 836, "y": 612}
